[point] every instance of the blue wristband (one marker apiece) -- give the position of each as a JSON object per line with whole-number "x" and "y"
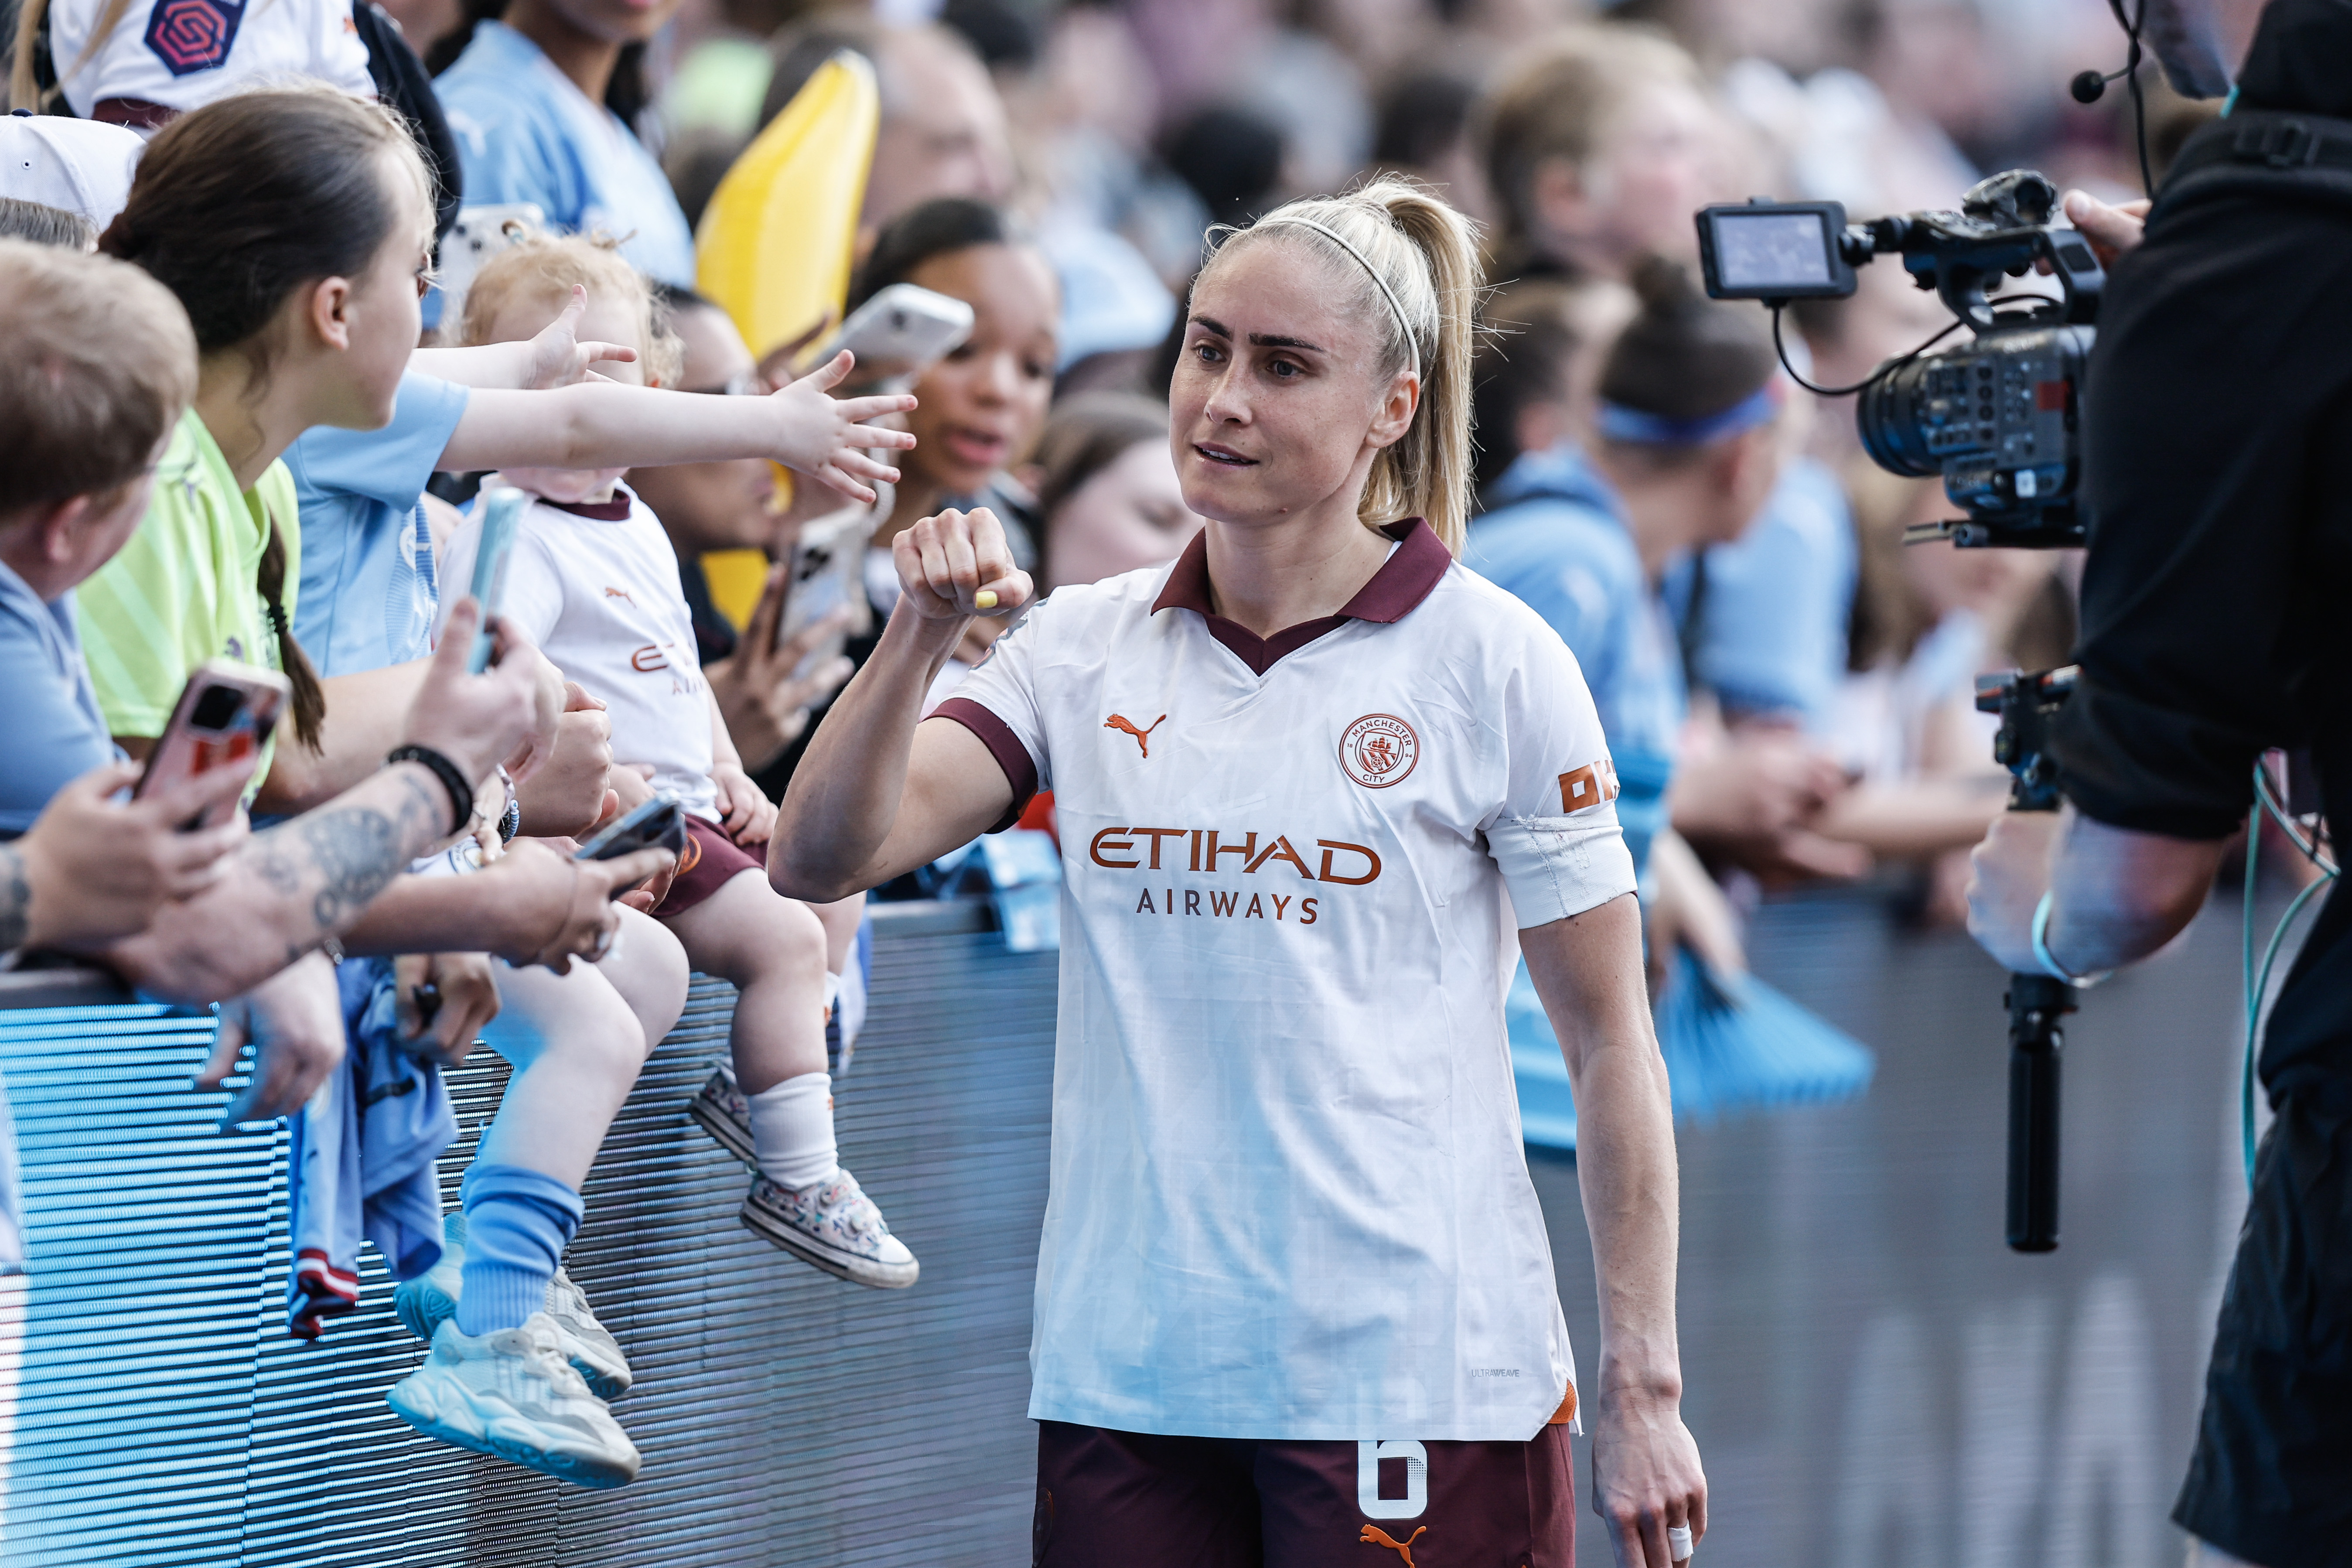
{"x": 2042, "y": 951}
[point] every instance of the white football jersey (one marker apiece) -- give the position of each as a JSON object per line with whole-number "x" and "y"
{"x": 184, "y": 54}
{"x": 1289, "y": 1196}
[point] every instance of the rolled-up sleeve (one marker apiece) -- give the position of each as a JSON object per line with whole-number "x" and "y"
{"x": 1554, "y": 835}
{"x": 2218, "y": 477}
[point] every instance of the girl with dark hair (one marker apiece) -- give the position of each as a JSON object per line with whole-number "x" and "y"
{"x": 295, "y": 229}
{"x": 1315, "y": 783}
{"x": 542, "y": 96}
{"x": 980, "y": 409}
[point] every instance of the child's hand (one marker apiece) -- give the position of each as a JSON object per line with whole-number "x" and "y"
{"x": 558, "y": 358}
{"x": 819, "y": 436}
{"x": 751, "y": 816}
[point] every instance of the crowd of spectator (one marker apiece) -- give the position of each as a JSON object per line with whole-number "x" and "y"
{"x": 240, "y": 419}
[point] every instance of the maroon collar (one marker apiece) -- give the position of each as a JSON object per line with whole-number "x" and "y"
{"x": 1404, "y": 581}
{"x": 615, "y": 510}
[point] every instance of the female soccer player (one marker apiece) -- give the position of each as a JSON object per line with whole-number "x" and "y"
{"x": 1294, "y": 1298}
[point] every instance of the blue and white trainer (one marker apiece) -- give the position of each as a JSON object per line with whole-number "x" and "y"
{"x": 424, "y": 1303}
{"x": 835, "y": 1226}
{"x": 512, "y": 1395}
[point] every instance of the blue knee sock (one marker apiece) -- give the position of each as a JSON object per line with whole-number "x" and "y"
{"x": 518, "y": 1223}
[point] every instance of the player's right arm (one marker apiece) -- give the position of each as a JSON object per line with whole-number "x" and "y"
{"x": 879, "y": 792}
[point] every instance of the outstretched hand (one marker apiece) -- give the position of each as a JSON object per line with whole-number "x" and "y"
{"x": 959, "y": 564}
{"x": 558, "y": 358}
{"x": 821, "y": 436}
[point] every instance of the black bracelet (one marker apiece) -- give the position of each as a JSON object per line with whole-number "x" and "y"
{"x": 461, "y": 793}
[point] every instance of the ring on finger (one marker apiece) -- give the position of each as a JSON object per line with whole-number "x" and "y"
{"x": 1679, "y": 1544}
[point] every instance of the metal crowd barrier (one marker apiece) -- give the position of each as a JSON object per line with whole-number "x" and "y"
{"x": 1873, "y": 1377}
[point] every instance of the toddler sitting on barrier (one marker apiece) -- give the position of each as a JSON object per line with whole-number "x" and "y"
{"x": 593, "y": 575}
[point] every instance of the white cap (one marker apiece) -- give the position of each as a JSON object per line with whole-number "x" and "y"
{"x": 80, "y": 165}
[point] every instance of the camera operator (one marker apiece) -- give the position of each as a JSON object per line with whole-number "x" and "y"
{"x": 2217, "y": 453}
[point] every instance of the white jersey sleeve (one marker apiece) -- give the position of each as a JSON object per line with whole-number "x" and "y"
{"x": 1555, "y": 835}
{"x": 999, "y": 702}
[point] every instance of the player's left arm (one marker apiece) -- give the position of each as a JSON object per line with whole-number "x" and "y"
{"x": 1587, "y": 969}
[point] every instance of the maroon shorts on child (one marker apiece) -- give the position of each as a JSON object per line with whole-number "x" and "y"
{"x": 711, "y": 861}
{"x": 1129, "y": 1499}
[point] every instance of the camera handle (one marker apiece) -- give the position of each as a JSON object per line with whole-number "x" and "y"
{"x": 2036, "y": 1002}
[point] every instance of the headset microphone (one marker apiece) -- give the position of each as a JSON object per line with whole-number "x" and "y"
{"x": 2089, "y": 87}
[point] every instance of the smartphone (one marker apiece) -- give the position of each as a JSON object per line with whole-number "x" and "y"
{"x": 480, "y": 233}
{"x": 502, "y": 508}
{"x": 224, "y": 714}
{"x": 660, "y": 823}
{"x": 827, "y": 571}
{"x": 901, "y": 333}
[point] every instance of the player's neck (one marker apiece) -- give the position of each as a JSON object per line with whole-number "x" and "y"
{"x": 1266, "y": 577}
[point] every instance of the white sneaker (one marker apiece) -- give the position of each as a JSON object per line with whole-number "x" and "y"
{"x": 512, "y": 1394}
{"x": 424, "y": 1303}
{"x": 835, "y": 1226}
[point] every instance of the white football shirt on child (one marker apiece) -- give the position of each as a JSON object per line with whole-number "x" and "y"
{"x": 184, "y": 54}
{"x": 596, "y": 587}
{"x": 1289, "y": 1197}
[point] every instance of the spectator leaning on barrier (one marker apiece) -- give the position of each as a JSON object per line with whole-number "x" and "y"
{"x": 112, "y": 361}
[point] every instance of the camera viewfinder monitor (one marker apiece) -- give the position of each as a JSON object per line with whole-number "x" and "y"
{"x": 1774, "y": 250}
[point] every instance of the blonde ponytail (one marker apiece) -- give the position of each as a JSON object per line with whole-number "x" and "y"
{"x": 1414, "y": 260}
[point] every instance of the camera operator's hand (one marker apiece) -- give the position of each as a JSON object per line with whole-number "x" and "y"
{"x": 465, "y": 999}
{"x": 95, "y": 869}
{"x": 565, "y": 797}
{"x": 476, "y": 721}
{"x": 2112, "y": 230}
{"x": 560, "y": 909}
{"x": 294, "y": 1021}
{"x": 2011, "y": 871}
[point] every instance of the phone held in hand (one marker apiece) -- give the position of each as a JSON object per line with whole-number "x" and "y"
{"x": 224, "y": 714}
{"x": 827, "y": 571}
{"x": 502, "y": 508}
{"x": 901, "y": 333}
{"x": 658, "y": 824}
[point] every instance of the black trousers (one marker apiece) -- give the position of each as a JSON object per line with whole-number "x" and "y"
{"x": 2272, "y": 1477}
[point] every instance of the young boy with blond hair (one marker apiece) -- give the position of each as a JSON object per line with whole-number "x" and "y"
{"x": 593, "y": 579}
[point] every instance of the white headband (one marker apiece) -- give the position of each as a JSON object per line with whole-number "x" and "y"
{"x": 1403, "y": 325}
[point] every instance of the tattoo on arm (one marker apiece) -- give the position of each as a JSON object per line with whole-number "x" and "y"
{"x": 344, "y": 856}
{"x": 15, "y": 899}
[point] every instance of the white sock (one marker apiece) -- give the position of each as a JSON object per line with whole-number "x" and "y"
{"x": 791, "y": 1131}
{"x": 848, "y": 997}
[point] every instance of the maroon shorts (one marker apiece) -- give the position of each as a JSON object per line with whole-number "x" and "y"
{"x": 1126, "y": 1499}
{"x": 711, "y": 861}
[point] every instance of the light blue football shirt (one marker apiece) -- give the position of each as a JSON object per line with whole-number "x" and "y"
{"x": 525, "y": 132}
{"x": 369, "y": 591}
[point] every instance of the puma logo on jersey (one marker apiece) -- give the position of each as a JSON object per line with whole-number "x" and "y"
{"x": 619, "y": 594}
{"x": 1142, "y": 737}
{"x": 1374, "y": 1535}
